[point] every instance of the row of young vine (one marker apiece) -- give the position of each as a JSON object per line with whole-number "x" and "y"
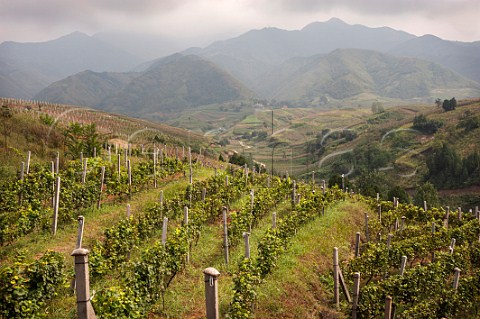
{"x": 435, "y": 244}
{"x": 147, "y": 278}
{"x": 252, "y": 271}
{"x": 26, "y": 204}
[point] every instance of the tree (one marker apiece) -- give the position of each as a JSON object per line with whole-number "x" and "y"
{"x": 377, "y": 107}
{"x": 82, "y": 139}
{"x": 400, "y": 193}
{"x": 449, "y": 105}
{"x": 424, "y": 125}
{"x": 426, "y": 192}
{"x": 372, "y": 182}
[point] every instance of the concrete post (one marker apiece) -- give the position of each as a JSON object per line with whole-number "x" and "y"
{"x": 164, "y": 231}
{"x": 225, "y": 233}
{"x": 403, "y": 263}
{"x": 82, "y": 284}
{"x": 274, "y": 220}
{"x": 56, "y": 205}
{"x": 185, "y": 222}
{"x": 81, "y": 221}
{"x": 211, "y": 292}
{"x": 336, "y": 285}
{"x": 246, "y": 238}
{"x": 456, "y": 279}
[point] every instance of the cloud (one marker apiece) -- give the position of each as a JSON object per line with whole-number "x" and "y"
{"x": 46, "y": 19}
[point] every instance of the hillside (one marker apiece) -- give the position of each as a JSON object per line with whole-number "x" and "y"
{"x": 85, "y": 88}
{"x": 346, "y": 73}
{"x": 169, "y": 85}
{"x": 461, "y": 57}
{"x": 40, "y": 127}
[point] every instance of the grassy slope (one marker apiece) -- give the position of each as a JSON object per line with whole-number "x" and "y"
{"x": 26, "y": 131}
{"x": 301, "y": 277}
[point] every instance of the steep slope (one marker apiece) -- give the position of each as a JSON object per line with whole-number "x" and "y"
{"x": 85, "y": 88}
{"x": 53, "y": 60}
{"x": 174, "y": 84}
{"x": 346, "y": 73}
{"x": 462, "y": 57}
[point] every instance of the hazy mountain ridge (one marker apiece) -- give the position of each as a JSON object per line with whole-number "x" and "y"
{"x": 461, "y": 57}
{"x": 46, "y": 62}
{"x": 273, "y": 63}
{"x": 170, "y": 84}
{"x": 345, "y": 73}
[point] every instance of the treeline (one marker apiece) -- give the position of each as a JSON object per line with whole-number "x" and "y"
{"x": 448, "y": 170}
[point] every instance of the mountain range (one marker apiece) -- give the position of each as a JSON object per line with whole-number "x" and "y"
{"x": 322, "y": 62}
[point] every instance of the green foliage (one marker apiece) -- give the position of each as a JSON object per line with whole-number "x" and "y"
{"x": 238, "y": 159}
{"x": 25, "y": 287}
{"x": 377, "y": 107}
{"x": 400, "y": 193}
{"x": 424, "y": 125}
{"x": 370, "y": 157}
{"x": 449, "y": 105}
{"x": 426, "y": 192}
{"x": 47, "y": 119}
{"x": 369, "y": 183}
{"x": 425, "y": 290}
{"x": 446, "y": 169}
{"x": 82, "y": 139}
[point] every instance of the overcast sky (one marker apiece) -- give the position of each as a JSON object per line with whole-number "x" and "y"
{"x": 202, "y": 21}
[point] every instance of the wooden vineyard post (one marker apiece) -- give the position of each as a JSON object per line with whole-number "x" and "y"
{"x": 460, "y": 213}
{"x": 246, "y": 238}
{"x": 204, "y": 194}
{"x": 225, "y": 234}
{"x": 389, "y": 240}
{"x": 357, "y": 244}
{"x": 324, "y": 185}
{"x": 164, "y": 231}
{"x": 336, "y": 288}
{"x": 211, "y": 293}
{"x": 388, "y": 307}
{"x": 274, "y": 220}
{"x": 102, "y": 179}
{"x": 356, "y": 293}
{"x": 56, "y": 205}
